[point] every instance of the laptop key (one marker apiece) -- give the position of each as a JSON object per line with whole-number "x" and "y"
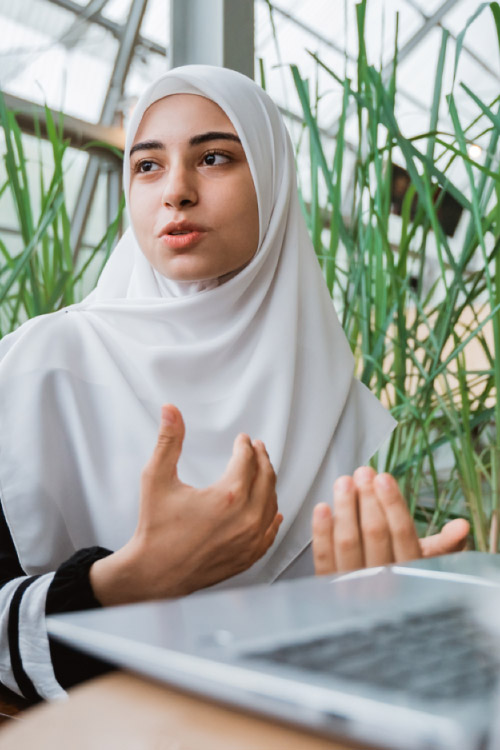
{"x": 440, "y": 655}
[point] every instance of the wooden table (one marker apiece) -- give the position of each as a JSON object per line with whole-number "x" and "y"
{"x": 10, "y": 704}
{"x": 123, "y": 712}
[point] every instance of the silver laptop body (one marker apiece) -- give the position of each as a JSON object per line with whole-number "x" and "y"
{"x": 404, "y": 657}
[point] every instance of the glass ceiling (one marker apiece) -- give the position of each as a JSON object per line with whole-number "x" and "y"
{"x": 329, "y": 30}
{"x": 58, "y": 52}
{"x": 51, "y": 54}
{"x": 62, "y": 52}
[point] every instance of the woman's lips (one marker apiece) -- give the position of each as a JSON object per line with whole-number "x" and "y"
{"x": 184, "y": 240}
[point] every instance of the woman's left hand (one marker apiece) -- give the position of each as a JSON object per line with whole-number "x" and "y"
{"x": 371, "y": 525}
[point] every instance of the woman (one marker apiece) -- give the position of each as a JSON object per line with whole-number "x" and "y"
{"x": 212, "y": 301}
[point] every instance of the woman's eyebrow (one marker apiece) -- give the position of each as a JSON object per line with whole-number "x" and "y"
{"x": 147, "y": 146}
{"x": 213, "y": 135}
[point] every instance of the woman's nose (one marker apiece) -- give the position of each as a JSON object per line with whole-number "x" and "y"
{"x": 179, "y": 189}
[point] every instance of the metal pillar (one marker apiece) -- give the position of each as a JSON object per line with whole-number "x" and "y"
{"x": 218, "y": 32}
{"x": 111, "y": 103}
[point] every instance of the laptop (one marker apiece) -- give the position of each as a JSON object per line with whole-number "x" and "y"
{"x": 404, "y": 656}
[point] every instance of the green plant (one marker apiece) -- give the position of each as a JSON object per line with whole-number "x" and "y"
{"x": 44, "y": 276}
{"x": 413, "y": 342}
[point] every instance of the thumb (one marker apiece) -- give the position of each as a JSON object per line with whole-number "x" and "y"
{"x": 452, "y": 538}
{"x": 169, "y": 443}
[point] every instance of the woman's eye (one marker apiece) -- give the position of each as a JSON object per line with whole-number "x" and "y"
{"x": 146, "y": 166}
{"x": 215, "y": 159}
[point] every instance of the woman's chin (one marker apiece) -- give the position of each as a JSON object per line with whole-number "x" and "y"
{"x": 186, "y": 275}
{"x": 187, "y": 270}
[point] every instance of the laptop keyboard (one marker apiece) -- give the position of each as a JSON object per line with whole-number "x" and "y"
{"x": 440, "y": 654}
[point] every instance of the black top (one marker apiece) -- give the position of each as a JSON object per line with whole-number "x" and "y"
{"x": 70, "y": 590}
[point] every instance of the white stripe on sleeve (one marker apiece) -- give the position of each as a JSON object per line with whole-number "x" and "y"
{"x": 6, "y": 674}
{"x": 34, "y": 641}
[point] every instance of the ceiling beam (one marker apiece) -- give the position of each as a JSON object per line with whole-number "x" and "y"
{"x": 111, "y": 26}
{"x": 430, "y": 23}
{"x": 453, "y": 36}
{"x": 77, "y": 29}
{"x": 337, "y": 48}
{"x": 79, "y": 132}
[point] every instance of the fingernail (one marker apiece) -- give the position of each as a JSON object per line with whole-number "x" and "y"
{"x": 167, "y": 414}
{"x": 322, "y": 510}
{"x": 384, "y": 481}
{"x": 364, "y": 474}
{"x": 342, "y": 484}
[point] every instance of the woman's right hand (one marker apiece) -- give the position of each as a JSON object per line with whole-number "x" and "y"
{"x": 188, "y": 538}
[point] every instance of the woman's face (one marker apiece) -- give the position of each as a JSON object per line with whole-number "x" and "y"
{"x": 192, "y": 198}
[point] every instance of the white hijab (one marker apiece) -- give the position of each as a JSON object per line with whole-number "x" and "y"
{"x": 263, "y": 353}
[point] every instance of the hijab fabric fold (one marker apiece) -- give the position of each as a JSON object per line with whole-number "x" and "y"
{"x": 263, "y": 353}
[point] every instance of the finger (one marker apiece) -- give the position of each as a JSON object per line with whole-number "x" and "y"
{"x": 242, "y": 466}
{"x": 263, "y": 492}
{"x": 163, "y": 463}
{"x": 376, "y": 536}
{"x": 322, "y": 540}
{"x": 452, "y": 538}
{"x": 346, "y": 533}
{"x": 269, "y": 536}
{"x": 405, "y": 542}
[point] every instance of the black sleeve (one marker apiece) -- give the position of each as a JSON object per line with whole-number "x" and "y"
{"x": 10, "y": 567}
{"x": 69, "y": 590}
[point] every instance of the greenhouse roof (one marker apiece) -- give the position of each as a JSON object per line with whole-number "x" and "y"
{"x": 84, "y": 57}
{"x": 62, "y": 52}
